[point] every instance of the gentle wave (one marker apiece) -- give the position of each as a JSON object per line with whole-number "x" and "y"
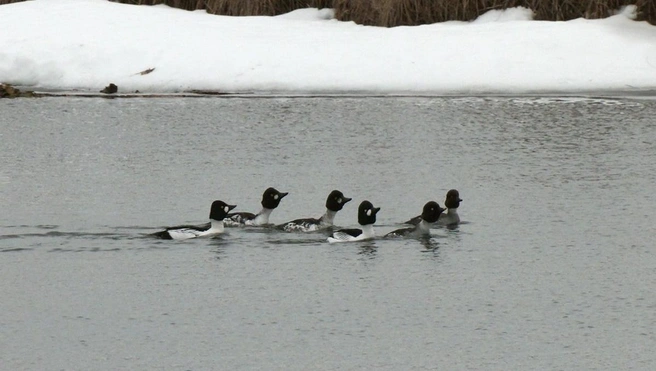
{"x": 38, "y": 226}
{"x": 85, "y": 235}
{"x": 15, "y": 249}
{"x": 576, "y": 100}
{"x": 44, "y": 238}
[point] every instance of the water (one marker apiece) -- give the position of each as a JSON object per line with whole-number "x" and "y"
{"x": 554, "y": 267}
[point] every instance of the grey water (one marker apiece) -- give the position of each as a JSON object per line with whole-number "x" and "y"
{"x": 553, "y": 266}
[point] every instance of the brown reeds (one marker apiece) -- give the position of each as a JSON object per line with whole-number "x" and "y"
{"x": 237, "y": 7}
{"x": 260, "y": 7}
{"x": 390, "y": 13}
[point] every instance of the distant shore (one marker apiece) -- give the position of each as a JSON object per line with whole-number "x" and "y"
{"x": 391, "y": 13}
{"x": 131, "y": 51}
{"x": 591, "y": 94}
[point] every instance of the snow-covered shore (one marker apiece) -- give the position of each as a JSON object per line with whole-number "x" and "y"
{"x": 86, "y": 44}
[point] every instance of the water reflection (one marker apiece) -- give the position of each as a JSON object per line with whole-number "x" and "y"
{"x": 429, "y": 243}
{"x": 218, "y": 247}
{"x": 367, "y": 249}
{"x": 544, "y": 180}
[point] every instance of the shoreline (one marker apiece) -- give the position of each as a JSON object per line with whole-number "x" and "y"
{"x": 304, "y": 54}
{"x": 590, "y": 94}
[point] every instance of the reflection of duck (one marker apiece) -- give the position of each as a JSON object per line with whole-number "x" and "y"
{"x": 366, "y": 218}
{"x": 270, "y": 200}
{"x": 429, "y": 243}
{"x": 429, "y": 215}
{"x": 451, "y": 217}
{"x": 218, "y": 211}
{"x": 334, "y": 203}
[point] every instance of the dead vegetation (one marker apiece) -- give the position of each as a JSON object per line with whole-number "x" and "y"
{"x": 390, "y": 13}
{"x": 9, "y": 91}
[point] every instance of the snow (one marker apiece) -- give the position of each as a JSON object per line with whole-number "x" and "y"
{"x": 86, "y": 44}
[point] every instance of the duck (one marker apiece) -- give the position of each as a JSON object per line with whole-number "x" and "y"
{"x": 366, "y": 218}
{"x": 450, "y": 217}
{"x": 334, "y": 203}
{"x": 218, "y": 211}
{"x": 270, "y": 201}
{"x": 429, "y": 215}
{"x": 451, "y": 203}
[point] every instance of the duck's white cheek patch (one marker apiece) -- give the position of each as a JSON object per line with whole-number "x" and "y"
{"x": 368, "y": 212}
{"x": 339, "y": 200}
{"x": 226, "y": 209}
{"x": 275, "y": 197}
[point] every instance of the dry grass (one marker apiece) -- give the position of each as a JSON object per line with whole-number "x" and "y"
{"x": 260, "y": 7}
{"x": 390, "y": 13}
{"x": 238, "y": 7}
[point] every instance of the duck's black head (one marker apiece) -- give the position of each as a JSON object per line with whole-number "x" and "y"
{"x": 220, "y": 210}
{"x": 336, "y": 201}
{"x": 452, "y": 199}
{"x": 271, "y": 198}
{"x": 367, "y": 213}
{"x": 432, "y": 211}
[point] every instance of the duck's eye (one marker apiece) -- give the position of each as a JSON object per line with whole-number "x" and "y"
{"x": 369, "y": 212}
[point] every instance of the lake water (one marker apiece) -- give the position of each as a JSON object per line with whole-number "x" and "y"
{"x": 553, "y": 268}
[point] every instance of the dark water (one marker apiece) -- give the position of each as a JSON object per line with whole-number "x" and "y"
{"x": 554, "y": 268}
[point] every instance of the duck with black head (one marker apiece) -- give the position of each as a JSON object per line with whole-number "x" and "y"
{"x": 270, "y": 201}
{"x": 429, "y": 215}
{"x": 452, "y": 202}
{"x": 334, "y": 203}
{"x": 450, "y": 217}
{"x": 218, "y": 211}
{"x": 366, "y": 218}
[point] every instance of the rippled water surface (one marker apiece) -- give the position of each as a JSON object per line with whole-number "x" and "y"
{"x": 553, "y": 267}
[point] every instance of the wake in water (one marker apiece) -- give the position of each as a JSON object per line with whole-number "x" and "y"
{"x": 49, "y": 237}
{"x": 54, "y": 238}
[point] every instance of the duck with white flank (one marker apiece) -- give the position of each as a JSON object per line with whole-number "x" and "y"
{"x": 451, "y": 216}
{"x": 366, "y": 218}
{"x": 218, "y": 212}
{"x": 429, "y": 215}
{"x": 270, "y": 200}
{"x": 451, "y": 203}
{"x": 334, "y": 203}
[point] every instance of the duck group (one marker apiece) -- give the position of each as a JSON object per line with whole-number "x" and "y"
{"x": 432, "y": 215}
